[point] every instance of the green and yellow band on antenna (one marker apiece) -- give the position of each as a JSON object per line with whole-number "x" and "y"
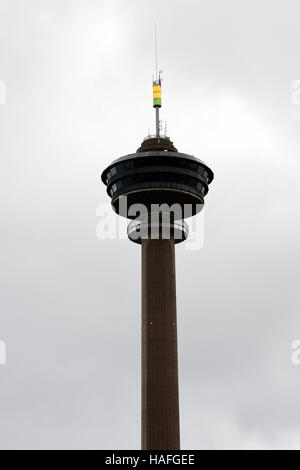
{"x": 156, "y": 95}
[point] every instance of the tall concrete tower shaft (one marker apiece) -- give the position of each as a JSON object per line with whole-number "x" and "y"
{"x": 160, "y": 403}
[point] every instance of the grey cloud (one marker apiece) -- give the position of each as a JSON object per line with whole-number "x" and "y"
{"x": 78, "y": 78}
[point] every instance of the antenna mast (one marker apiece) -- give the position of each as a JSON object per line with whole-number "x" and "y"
{"x": 157, "y": 88}
{"x": 155, "y": 38}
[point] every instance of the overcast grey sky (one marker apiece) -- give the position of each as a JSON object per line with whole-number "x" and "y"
{"x": 78, "y": 82}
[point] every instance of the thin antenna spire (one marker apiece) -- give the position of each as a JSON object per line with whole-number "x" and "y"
{"x": 155, "y": 39}
{"x": 157, "y": 88}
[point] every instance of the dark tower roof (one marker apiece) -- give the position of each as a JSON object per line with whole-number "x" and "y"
{"x": 157, "y": 143}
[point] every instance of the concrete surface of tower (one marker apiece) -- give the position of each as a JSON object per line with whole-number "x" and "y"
{"x": 157, "y": 187}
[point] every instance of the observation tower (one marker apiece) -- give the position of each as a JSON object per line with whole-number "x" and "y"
{"x": 157, "y": 187}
